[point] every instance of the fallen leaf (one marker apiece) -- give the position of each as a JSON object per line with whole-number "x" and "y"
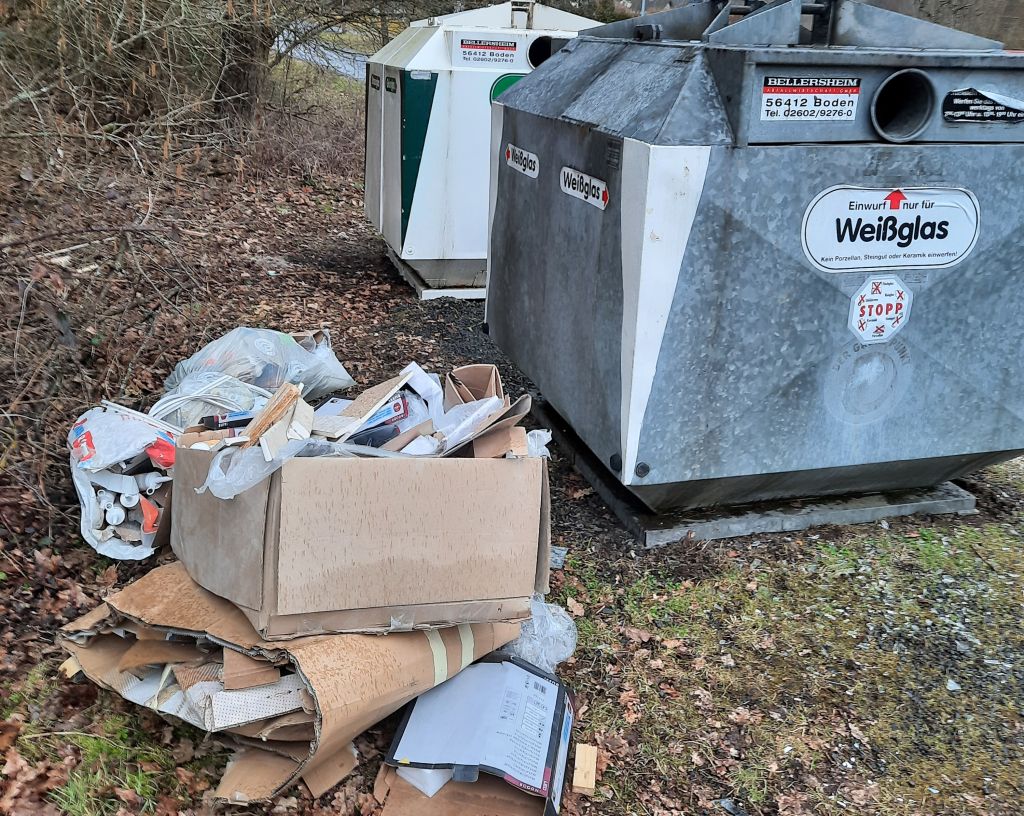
{"x": 129, "y": 797}
{"x": 744, "y": 716}
{"x": 728, "y": 662}
{"x": 575, "y": 608}
{"x": 636, "y": 635}
{"x": 9, "y": 730}
{"x": 613, "y": 744}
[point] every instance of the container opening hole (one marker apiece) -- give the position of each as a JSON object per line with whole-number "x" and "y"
{"x": 903, "y": 105}
{"x": 540, "y": 50}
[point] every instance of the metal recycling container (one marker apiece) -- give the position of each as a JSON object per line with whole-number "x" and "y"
{"x": 428, "y": 122}
{"x": 767, "y": 256}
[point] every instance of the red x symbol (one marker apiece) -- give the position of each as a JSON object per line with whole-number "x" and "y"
{"x": 862, "y": 325}
{"x": 862, "y": 299}
{"x": 896, "y": 320}
{"x": 899, "y": 294}
{"x": 880, "y": 329}
{"x": 876, "y": 288}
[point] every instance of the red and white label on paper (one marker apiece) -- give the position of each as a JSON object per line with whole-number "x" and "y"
{"x": 880, "y": 309}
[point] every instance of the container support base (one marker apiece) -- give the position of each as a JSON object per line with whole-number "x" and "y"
{"x": 783, "y": 516}
{"x": 425, "y": 292}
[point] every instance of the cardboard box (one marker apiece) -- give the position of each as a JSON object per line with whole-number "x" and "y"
{"x": 473, "y": 382}
{"x": 332, "y": 544}
{"x": 292, "y": 708}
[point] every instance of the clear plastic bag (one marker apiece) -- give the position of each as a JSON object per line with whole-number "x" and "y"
{"x": 102, "y": 441}
{"x": 268, "y": 359}
{"x": 203, "y": 393}
{"x": 547, "y": 638}
{"x": 235, "y": 470}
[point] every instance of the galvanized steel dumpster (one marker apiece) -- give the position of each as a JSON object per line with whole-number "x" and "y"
{"x": 771, "y": 258}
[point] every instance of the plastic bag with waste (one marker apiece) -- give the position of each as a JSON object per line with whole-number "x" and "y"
{"x": 268, "y": 359}
{"x": 203, "y": 393}
{"x": 102, "y": 437}
{"x": 118, "y": 518}
{"x": 235, "y": 470}
{"x": 547, "y": 638}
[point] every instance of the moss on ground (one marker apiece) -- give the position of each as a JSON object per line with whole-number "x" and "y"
{"x": 873, "y": 670}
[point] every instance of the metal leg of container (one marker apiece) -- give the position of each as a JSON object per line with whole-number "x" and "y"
{"x": 653, "y": 530}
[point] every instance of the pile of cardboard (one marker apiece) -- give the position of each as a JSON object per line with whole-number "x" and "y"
{"x": 267, "y": 632}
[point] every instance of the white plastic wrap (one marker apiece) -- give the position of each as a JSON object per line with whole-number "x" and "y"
{"x": 100, "y": 442}
{"x": 203, "y": 393}
{"x": 234, "y": 470}
{"x": 547, "y": 638}
{"x": 268, "y": 359}
{"x": 537, "y": 444}
{"x": 102, "y": 437}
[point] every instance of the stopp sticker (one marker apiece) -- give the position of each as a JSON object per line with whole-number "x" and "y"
{"x": 809, "y": 99}
{"x": 864, "y": 229}
{"x": 524, "y": 161}
{"x": 586, "y": 188}
{"x": 880, "y": 309}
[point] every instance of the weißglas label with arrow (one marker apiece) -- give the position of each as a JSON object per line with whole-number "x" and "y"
{"x": 863, "y": 229}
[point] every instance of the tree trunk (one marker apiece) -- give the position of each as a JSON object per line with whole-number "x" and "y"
{"x": 244, "y": 67}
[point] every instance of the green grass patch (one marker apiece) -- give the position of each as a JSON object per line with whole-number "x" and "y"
{"x": 824, "y": 673}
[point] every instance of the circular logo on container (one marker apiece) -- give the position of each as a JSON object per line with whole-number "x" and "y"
{"x": 503, "y": 83}
{"x": 865, "y": 382}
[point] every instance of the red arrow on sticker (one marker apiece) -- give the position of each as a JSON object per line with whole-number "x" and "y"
{"x": 508, "y": 153}
{"x": 895, "y": 199}
{"x": 604, "y": 197}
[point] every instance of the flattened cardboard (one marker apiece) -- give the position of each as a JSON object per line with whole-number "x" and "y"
{"x": 159, "y": 652}
{"x": 501, "y": 443}
{"x": 242, "y": 671}
{"x": 488, "y": 796}
{"x": 352, "y": 681}
{"x": 465, "y": 540}
{"x": 254, "y": 775}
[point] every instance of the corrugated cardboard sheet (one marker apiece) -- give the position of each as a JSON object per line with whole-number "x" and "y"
{"x": 488, "y": 796}
{"x": 349, "y": 682}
